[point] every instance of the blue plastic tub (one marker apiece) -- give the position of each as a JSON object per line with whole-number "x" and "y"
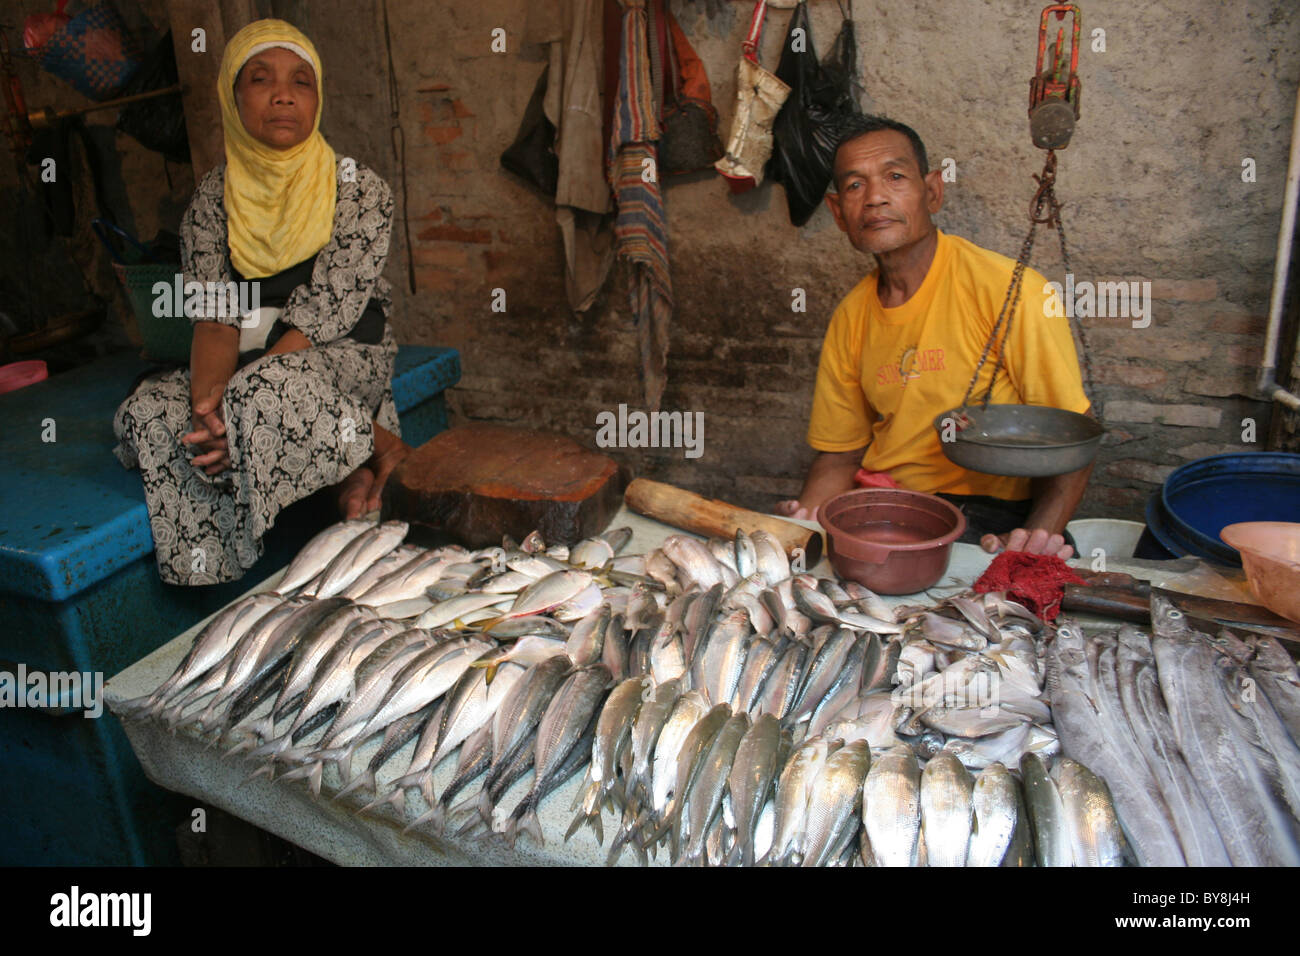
{"x": 1202, "y": 497}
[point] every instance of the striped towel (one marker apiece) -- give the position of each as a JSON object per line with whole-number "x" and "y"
{"x": 640, "y": 229}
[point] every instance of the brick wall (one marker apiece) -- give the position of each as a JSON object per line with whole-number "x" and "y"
{"x": 1152, "y": 188}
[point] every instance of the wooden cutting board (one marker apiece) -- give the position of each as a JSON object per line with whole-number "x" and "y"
{"x": 480, "y": 482}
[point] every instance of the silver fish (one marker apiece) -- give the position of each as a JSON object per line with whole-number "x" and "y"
{"x": 1089, "y": 815}
{"x": 1052, "y": 843}
{"x": 834, "y": 804}
{"x": 891, "y": 808}
{"x": 359, "y": 554}
{"x": 947, "y": 792}
{"x": 317, "y": 553}
{"x": 750, "y": 781}
{"x": 996, "y": 805}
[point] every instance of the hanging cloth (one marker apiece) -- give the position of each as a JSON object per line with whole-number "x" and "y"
{"x": 640, "y": 228}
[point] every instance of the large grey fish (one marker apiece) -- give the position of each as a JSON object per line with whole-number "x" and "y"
{"x": 650, "y": 722}
{"x": 340, "y": 669}
{"x": 317, "y": 553}
{"x": 792, "y": 790}
{"x": 374, "y": 680}
{"x": 1090, "y": 720}
{"x": 1271, "y": 745}
{"x": 703, "y": 800}
{"x": 460, "y": 608}
{"x": 208, "y": 648}
{"x": 548, "y": 594}
{"x": 753, "y": 774}
{"x": 1276, "y": 673}
{"x": 425, "y": 678}
{"x": 396, "y": 735}
{"x": 1145, "y": 710}
{"x": 242, "y": 658}
{"x": 574, "y": 760}
{"x": 587, "y": 639}
{"x": 947, "y": 808}
{"x": 760, "y": 660}
{"x": 826, "y": 667}
{"x": 770, "y": 558}
{"x": 1255, "y": 830}
{"x": 693, "y": 560}
{"x": 252, "y": 661}
{"x": 311, "y": 649}
{"x": 690, "y": 758}
{"x": 996, "y": 805}
{"x": 358, "y": 555}
{"x": 411, "y": 580}
{"x": 1089, "y": 815}
{"x": 834, "y": 804}
{"x": 720, "y": 660}
{"x": 474, "y": 760}
{"x": 1052, "y": 843}
{"x": 399, "y": 557}
{"x": 613, "y": 735}
{"x": 891, "y": 808}
{"x": 471, "y": 705}
{"x": 845, "y": 688}
{"x": 778, "y": 692}
{"x": 564, "y": 723}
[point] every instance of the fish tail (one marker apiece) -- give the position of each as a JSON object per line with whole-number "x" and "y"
{"x": 585, "y": 793}
{"x": 266, "y": 768}
{"x": 434, "y": 816}
{"x": 316, "y": 772}
{"x": 530, "y": 824}
{"x": 578, "y": 820}
{"x": 244, "y": 743}
{"x": 364, "y": 779}
{"x": 426, "y": 788}
{"x": 301, "y": 772}
{"x": 616, "y": 848}
{"x": 393, "y": 797}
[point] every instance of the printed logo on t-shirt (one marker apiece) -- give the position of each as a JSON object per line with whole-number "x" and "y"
{"x": 910, "y": 365}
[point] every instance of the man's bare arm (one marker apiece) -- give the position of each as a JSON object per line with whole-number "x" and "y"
{"x": 830, "y": 474}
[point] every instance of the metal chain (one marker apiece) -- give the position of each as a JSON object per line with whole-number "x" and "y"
{"x": 1046, "y": 209}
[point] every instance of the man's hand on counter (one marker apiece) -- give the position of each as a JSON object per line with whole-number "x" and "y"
{"x": 1038, "y": 541}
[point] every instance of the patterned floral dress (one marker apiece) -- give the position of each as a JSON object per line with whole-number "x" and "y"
{"x": 296, "y": 422}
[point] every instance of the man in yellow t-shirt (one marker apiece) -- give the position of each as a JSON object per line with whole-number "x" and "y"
{"x": 902, "y": 346}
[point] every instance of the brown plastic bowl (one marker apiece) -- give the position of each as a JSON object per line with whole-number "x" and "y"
{"x": 890, "y": 540}
{"x": 1270, "y": 554}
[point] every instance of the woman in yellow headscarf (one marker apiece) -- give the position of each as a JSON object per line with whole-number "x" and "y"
{"x": 291, "y": 391}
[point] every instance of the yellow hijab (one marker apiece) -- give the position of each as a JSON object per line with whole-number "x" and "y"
{"x": 279, "y": 203}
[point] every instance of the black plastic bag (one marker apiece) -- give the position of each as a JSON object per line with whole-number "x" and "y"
{"x": 158, "y": 123}
{"x": 532, "y": 155}
{"x": 808, "y": 127}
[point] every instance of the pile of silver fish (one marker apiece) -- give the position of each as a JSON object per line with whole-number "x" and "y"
{"x": 1196, "y": 734}
{"x": 725, "y": 709}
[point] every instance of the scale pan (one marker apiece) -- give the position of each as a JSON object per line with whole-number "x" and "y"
{"x": 1019, "y": 441}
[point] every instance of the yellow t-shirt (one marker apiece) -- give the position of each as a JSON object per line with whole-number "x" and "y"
{"x": 886, "y": 373}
